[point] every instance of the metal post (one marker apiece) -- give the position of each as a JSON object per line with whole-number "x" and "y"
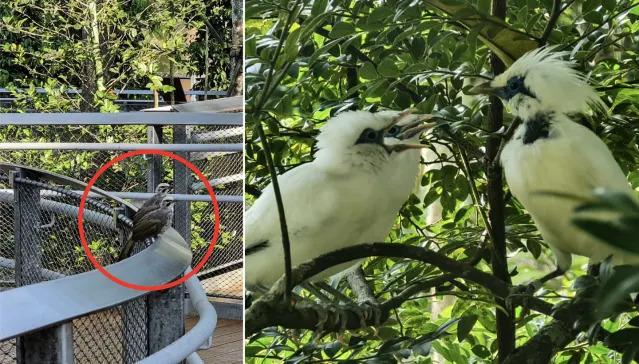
{"x": 206, "y": 64}
{"x": 134, "y": 325}
{"x": 154, "y": 172}
{"x": 166, "y": 308}
{"x": 54, "y": 344}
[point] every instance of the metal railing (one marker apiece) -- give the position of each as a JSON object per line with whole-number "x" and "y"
{"x": 38, "y": 316}
{"x": 71, "y": 91}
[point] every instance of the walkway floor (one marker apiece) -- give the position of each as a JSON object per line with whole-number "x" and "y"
{"x": 227, "y": 342}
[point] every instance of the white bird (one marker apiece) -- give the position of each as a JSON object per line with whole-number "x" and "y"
{"x": 551, "y": 152}
{"x": 365, "y": 168}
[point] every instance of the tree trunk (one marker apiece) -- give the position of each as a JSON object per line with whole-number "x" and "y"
{"x": 505, "y": 322}
{"x": 237, "y": 71}
{"x": 95, "y": 46}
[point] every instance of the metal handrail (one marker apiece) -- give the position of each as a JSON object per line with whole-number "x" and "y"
{"x": 237, "y": 147}
{"x": 4, "y": 193}
{"x": 128, "y": 118}
{"x": 41, "y": 90}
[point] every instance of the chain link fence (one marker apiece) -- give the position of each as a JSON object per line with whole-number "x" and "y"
{"x": 222, "y": 169}
{"x": 49, "y": 248}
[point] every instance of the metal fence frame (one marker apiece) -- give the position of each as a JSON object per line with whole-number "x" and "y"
{"x": 71, "y": 91}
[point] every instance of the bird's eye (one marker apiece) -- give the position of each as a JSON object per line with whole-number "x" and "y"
{"x": 368, "y": 136}
{"x": 393, "y": 131}
{"x": 371, "y": 135}
{"x": 513, "y": 84}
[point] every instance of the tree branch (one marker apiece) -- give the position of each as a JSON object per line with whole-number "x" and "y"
{"x": 570, "y": 319}
{"x": 270, "y": 310}
{"x": 554, "y": 16}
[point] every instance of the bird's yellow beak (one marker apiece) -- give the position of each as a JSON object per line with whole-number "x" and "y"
{"x": 399, "y": 118}
{"x": 410, "y": 130}
{"x": 485, "y": 89}
{"x": 416, "y": 127}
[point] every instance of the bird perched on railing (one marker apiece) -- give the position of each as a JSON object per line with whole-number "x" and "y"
{"x": 365, "y": 168}
{"x": 550, "y": 152}
{"x": 153, "y": 218}
{"x": 161, "y": 191}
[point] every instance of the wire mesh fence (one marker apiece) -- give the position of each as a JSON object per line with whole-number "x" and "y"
{"x": 222, "y": 169}
{"x": 39, "y": 241}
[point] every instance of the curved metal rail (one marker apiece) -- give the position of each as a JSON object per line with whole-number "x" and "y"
{"x": 82, "y": 294}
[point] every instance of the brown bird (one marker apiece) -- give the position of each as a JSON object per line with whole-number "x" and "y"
{"x": 155, "y": 220}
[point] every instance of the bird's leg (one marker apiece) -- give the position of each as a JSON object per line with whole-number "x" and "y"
{"x": 365, "y": 295}
{"x": 371, "y": 309}
{"x": 340, "y": 310}
{"x": 321, "y": 312}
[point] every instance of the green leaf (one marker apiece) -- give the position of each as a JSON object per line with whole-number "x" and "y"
{"x": 629, "y": 354}
{"x": 311, "y": 24}
{"x": 594, "y": 17}
{"x": 378, "y": 15}
{"x": 584, "y": 281}
{"x": 388, "y": 97}
{"x": 463, "y": 213}
{"x": 465, "y": 326}
{"x": 481, "y": 351}
{"x": 252, "y": 350}
{"x": 608, "y": 200}
{"x": 427, "y": 107}
{"x": 377, "y": 89}
{"x": 322, "y": 50}
{"x": 331, "y": 349}
{"x": 623, "y": 236}
{"x": 623, "y": 281}
{"x": 319, "y": 7}
{"x": 342, "y": 29}
{"x": 417, "y": 48}
{"x": 291, "y": 47}
{"x": 626, "y": 95}
{"x": 534, "y": 247}
{"x": 388, "y": 68}
{"x": 590, "y": 5}
{"x": 368, "y": 72}
{"x": 634, "y": 321}
{"x": 575, "y": 358}
{"x": 609, "y": 4}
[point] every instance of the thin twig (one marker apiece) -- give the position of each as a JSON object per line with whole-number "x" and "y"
{"x": 286, "y": 243}
{"x": 474, "y": 193}
{"x": 554, "y": 16}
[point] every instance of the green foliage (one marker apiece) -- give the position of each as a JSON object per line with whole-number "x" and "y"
{"x": 308, "y": 60}
{"x": 128, "y": 44}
